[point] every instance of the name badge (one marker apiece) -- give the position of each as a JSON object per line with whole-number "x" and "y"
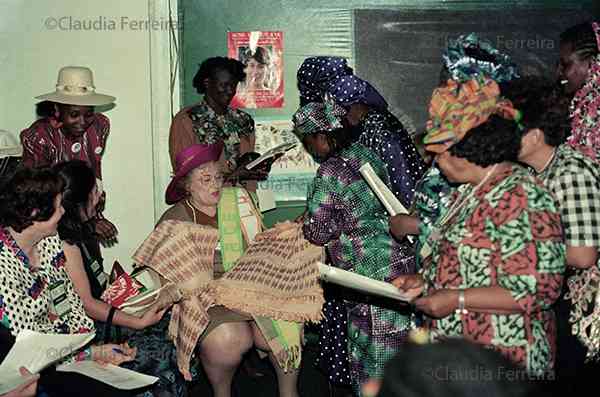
{"x": 99, "y": 274}
{"x": 59, "y": 304}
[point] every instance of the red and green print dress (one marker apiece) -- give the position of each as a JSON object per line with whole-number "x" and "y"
{"x": 508, "y": 234}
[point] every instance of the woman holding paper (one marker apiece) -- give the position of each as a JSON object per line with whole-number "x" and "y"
{"x": 212, "y": 120}
{"x": 344, "y": 215}
{"x": 368, "y": 115}
{"x": 498, "y": 256}
{"x": 465, "y": 57}
{"x": 35, "y": 291}
{"x": 148, "y": 333}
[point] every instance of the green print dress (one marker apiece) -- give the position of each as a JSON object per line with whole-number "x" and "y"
{"x": 507, "y": 233}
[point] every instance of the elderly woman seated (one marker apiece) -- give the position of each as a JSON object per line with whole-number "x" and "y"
{"x": 35, "y": 291}
{"x": 197, "y": 193}
{"x": 497, "y": 256}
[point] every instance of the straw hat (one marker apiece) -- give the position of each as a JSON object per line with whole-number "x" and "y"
{"x": 75, "y": 86}
{"x": 9, "y": 147}
{"x": 188, "y": 159}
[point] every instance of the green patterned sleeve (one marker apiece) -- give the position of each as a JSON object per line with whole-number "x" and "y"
{"x": 531, "y": 256}
{"x": 322, "y": 223}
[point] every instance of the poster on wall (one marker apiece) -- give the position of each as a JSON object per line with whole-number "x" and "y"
{"x": 291, "y": 174}
{"x": 262, "y": 55}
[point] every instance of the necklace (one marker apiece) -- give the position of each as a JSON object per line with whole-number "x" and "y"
{"x": 548, "y": 161}
{"x": 194, "y": 209}
{"x": 463, "y": 199}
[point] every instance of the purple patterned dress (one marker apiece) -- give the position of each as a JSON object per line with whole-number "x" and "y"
{"x": 345, "y": 216}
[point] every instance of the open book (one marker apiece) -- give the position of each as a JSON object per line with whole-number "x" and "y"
{"x": 151, "y": 287}
{"x": 274, "y": 152}
{"x": 355, "y": 281}
{"x": 134, "y": 293}
{"x": 383, "y": 193}
{"x": 36, "y": 351}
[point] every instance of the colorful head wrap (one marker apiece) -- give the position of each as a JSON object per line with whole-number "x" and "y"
{"x": 585, "y": 110}
{"x": 318, "y": 118}
{"x": 463, "y": 67}
{"x": 458, "y": 108}
{"x": 319, "y": 76}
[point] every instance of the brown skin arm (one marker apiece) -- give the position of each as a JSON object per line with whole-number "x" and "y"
{"x": 582, "y": 257}
{"x": 440, "y": 303}
{"x": 402, "y": 225}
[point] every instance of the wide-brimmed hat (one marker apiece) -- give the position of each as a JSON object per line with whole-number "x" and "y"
{"x": 75, "y": 86}
{"x": 188, "y": 159}
{"x": 9, "y": 146}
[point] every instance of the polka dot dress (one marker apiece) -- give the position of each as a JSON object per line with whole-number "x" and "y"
{"x": 333, "y": 343}
{"x": 383, "y": 133}
{"x": 25, "y": 295}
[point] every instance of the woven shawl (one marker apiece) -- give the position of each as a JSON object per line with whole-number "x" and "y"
{"x": 183, "y": 253}
{"x": 276, "y": 277}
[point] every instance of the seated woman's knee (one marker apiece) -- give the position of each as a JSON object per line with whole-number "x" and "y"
{"x": 227, "y": 342}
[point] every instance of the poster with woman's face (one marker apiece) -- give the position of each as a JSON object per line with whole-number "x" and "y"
{"x": 262, "y": 55}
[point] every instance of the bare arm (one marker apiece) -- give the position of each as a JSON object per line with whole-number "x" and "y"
{"x": 582, "y": 257}
{"x": 95, "y": 308}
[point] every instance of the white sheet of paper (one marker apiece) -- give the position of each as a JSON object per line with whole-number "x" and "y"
{"x": 121, "y": 378}
{"x": 284, "y": 147}
{"x": 35, "y": 351}
{"x": 383, "y": 193}
{"x": 12, "y": 381}
{"x": 355, "y": 281}
{"x": 266, "y": 199}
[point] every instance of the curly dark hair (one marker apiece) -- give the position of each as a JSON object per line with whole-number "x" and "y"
{"x": 210, "y": 66}
{"x": 583, "y": 39}
{"x": 493, "y": 142}
{"x": 29, "y": 196}
{"x": 79, "y": 182}
{"x": 542, "y": 105}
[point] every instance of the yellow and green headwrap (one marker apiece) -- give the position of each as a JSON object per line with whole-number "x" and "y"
{"x": 457, "y": 108}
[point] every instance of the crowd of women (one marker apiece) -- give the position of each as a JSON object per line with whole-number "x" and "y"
{"x": 505, "y": 209}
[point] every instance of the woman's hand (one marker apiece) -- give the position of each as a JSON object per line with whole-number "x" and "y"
{"x": 403, "y": 225}
{"x": 27, "y": 389}
{"x": 105, "y": 230}
{"x": 439, "y": 303}
{"x": 411, "y": 284}
{"x": 152, "y": 316}
{"x": 113, "y": 354}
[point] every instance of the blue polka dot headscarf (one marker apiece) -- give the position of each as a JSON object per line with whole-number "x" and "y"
{"x": 318, "y": 76}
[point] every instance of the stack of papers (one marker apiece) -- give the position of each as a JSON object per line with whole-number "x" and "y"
{"x": 36, "y": 351}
